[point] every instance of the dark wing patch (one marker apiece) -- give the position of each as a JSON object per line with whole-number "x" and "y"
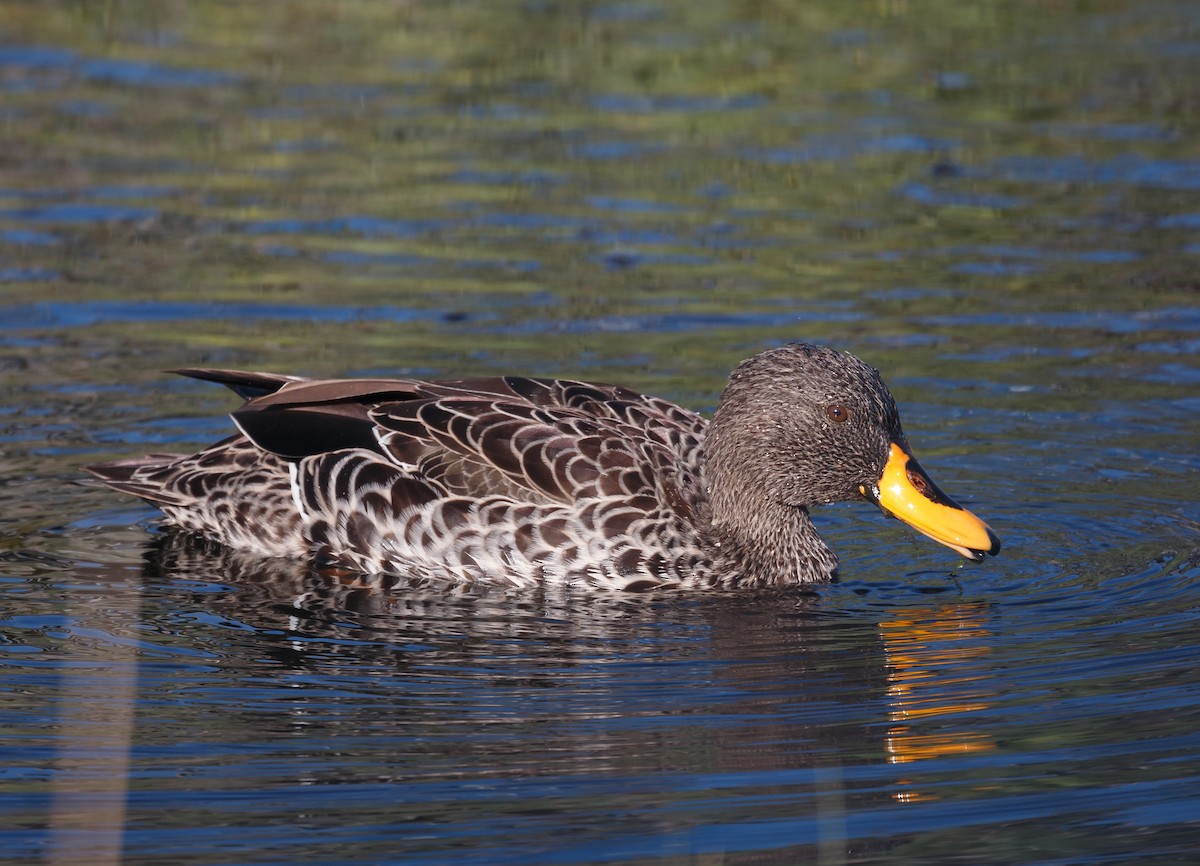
{"x": 301, "y": 431}
{"x": 314, "y": 416}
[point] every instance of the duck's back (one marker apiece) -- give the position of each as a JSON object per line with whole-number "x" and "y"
{"x": 510, "y": 478}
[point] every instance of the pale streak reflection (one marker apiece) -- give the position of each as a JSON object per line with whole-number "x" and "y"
{"x": 930, "y": 689}
{"x": 96, "y": 701}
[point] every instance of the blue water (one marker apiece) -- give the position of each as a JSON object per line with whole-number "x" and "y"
{"x": 997, "y": 207}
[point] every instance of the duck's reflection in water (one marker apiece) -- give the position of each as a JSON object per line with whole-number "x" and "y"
{"x": 705, "y": 708}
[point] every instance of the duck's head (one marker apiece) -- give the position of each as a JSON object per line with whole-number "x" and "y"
{"x": 804, "y": 425}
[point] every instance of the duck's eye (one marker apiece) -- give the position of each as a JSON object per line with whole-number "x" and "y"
{"x": 837, "y": 412}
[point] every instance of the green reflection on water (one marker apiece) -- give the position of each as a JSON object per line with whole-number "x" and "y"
{"x": 807, "y": 117}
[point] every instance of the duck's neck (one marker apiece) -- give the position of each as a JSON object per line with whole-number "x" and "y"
{"x": 777, "y": 544}
{"x": 758, "y": 532}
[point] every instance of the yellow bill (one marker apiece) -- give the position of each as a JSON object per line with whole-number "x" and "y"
{"x": 904, "y": 491}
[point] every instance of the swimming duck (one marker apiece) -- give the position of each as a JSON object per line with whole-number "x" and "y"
{"x": 523, "y": 481}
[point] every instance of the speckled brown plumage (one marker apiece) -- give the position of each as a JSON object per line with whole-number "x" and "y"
{"x": 521, "y": 480}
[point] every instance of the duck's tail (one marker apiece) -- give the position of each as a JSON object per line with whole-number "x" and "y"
{"x": 140, "y": 476}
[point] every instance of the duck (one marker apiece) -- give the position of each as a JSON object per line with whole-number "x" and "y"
{"x": 526, "y": 481}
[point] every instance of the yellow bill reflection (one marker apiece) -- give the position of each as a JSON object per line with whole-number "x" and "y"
{"x": 930, "y": 689}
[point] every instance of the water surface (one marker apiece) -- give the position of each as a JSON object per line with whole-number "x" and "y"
{"x": 995, "y": 204}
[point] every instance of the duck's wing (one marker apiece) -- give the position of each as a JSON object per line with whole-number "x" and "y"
{"x": 548, "y": 440}
{"x": 541, "y": 441}
{"x": 680, "y": 429}
{"x": 480, "y": 446}
{"x": 620, "y": 413}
